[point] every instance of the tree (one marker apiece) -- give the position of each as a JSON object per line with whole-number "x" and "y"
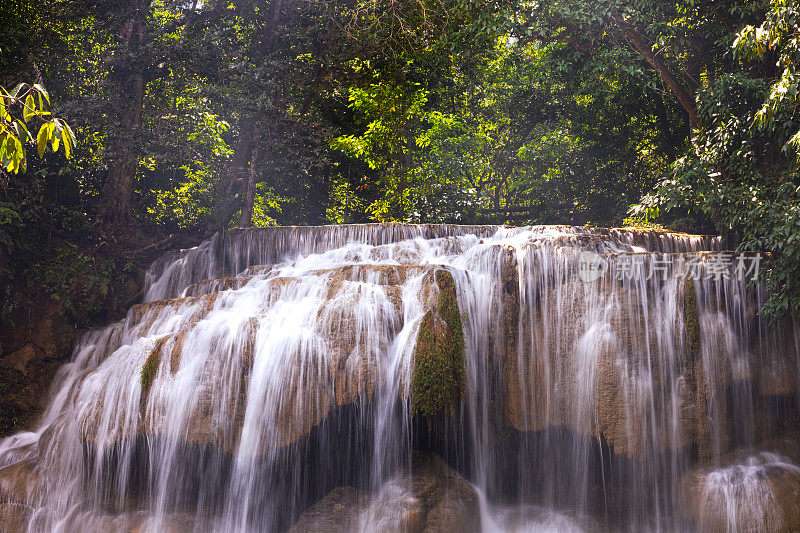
{"x": 743, "y": 167}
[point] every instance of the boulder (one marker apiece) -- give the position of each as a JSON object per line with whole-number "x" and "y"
{"x": 432, "y": 498}
{"x": 14, "y": 517}
{"x": 438, "y": 380}
{"x": 760, "y": 492}
{"x": 32, "y": 346}
{"x": 18, "y": 483}
{"x": 336, "y": 512}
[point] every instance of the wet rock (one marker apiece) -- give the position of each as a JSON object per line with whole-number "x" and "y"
{"x": 439, "y": 373}
{"x": 136, "y": 522}
{"x": 448, "y": 501}
{"x": 340, "y": 368}
{"x": 18, "y": 483}
{"x": 760, "y": 492}
{"x": 14, "y": 517}
{"x": 32, "y": 346}
{"x": 432, "y": 498}
{"x": 336, "y": 512}
{"x": 208, "y": 286}
{"x": 145, "y": 315}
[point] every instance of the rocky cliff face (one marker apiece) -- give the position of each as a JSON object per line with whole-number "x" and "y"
{"x": 31, "y": 352}
{"x": 280, "y": 377}
{"x": 38, "y": 337}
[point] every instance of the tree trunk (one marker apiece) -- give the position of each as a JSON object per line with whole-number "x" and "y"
{"x": 225, "y": 203}
{"x": 246, "y": 218}
{"x": 115, "y": 207}
{"x": 672, "y": 142}
{"x": 639, "y": 43}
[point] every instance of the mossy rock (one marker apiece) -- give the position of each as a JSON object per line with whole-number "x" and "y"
{"x": 150, "y": 367}
{"x": 691, "y": 317}
{"x": 439, "y": 374}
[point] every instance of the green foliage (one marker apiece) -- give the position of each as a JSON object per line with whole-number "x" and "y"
{"x": 743, "y": 169}
{"x": 439, "y": 373}
{"x": 456, "y": 111}
{"x": 266, "y": 203}
{"x": 31, "y": 102}
{"x": 779, "y": 34}
{"x": 82, "y": 284}
{"x": 393, "y": 115}
{"x": 189, "y": 205}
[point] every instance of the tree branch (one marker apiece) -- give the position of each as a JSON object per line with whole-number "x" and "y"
{"x": 638, "y": 41}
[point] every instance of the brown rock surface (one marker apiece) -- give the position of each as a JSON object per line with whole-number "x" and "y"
{"x": 744, "y": 495}
{"x": 336, "y": 512}
{"x": 14, "y": 517}
{"x": 432, "y": 498}
{"x": 549, "y": 381}
{"x": 341, "y": 367}
{"x": 17, "y": 483}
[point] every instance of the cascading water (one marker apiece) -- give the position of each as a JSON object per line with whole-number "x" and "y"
{"x": 282, "y": 369}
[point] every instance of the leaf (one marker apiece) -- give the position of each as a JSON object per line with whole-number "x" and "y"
{"x": 18, "y": 89}
{"x": 55, "y": 134}
{"x": 22, "y": 131}
{"x": 72, "y": 137}
{"x": 29, "y": 111}
{"x": 41, "y": 140}
{"x": 65, "y": 137}
{"x": 42, "y": 91}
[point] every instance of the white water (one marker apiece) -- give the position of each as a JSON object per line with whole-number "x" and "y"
{"x": 296, "y": 379}
{"x": 741, "y": 498}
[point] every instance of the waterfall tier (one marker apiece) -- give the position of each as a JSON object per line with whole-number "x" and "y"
{"x": 568, "y": 378}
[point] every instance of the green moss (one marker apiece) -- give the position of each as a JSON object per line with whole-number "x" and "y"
{"x": 150, "y": 367}
{"x": 692, "y": 322}
{"x": 439, "y": 374}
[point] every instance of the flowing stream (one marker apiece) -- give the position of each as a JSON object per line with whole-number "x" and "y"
{"x": 267, "y": 367}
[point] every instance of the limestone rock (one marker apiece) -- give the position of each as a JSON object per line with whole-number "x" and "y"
{"x": 14, "y": 517}
{"x": 432, "y": 498}
{"x": 756, "y": 493}
{"x": 208, "y": 286}
{"x": 18, "y": 482}
{"x": 336, "y": 512}
{"x": 340, "y": 369}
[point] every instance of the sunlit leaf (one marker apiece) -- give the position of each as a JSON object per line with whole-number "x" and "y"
{"x": 29, "y": 111}
{"x": 41, "y": 139}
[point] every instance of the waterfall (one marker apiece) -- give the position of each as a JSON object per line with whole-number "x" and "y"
{"x": 272, "y": 377}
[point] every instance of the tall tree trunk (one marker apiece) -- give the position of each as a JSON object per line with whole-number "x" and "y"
{"x": 225, "y": 203}
{"x": 672, "y": 141}
{"x": 115, "y": 207}
{"x": 639, "y": 43}
{"x": 246, "y": 218}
